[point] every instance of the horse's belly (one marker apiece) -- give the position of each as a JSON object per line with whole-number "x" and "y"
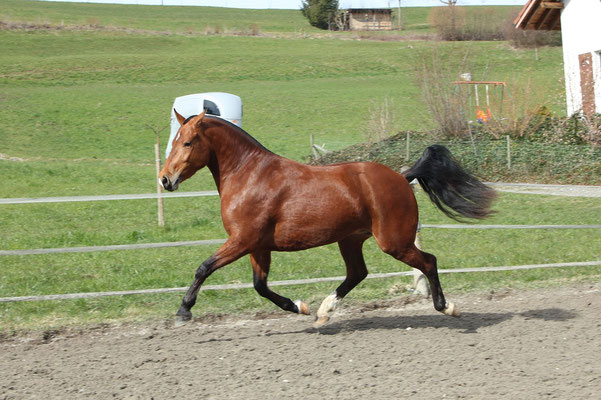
{"x": 301, "y": 239}
{"x": 303, "y": 230}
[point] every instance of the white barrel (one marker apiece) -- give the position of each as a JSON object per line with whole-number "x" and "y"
{"x": 224, "y": 105}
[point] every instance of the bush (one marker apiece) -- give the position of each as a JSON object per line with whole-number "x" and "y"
{"x": 320, "y": 13}
{"x": 381, "y": 120}
{"x": 486, "y": 23}
{"x": 435, "y": 74}
{"x": 577, "y": 129}
{"x": 459, "y": 23}
{"x": 529, "y": 39}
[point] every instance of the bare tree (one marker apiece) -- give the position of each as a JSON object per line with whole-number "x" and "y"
{"x": 452, "y": 17}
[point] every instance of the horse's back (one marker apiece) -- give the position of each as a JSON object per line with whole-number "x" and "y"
{"x": 374, "y": 181}
{"x": 386, "y": 191}
{"x": 324, "y": 204}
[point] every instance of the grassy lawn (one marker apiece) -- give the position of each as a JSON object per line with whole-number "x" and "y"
{"x": 154, "y": 18}
{"x": 133, "y": 221}
{"x": 77, "y": 104}
{"x": 75, "y": 110}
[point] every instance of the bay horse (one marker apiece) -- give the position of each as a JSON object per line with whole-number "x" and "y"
{"x": 270, "y": 203}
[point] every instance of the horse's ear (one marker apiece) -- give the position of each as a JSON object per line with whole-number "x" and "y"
{"x": 200, "y": 117}
{"x": 179, "y": 117}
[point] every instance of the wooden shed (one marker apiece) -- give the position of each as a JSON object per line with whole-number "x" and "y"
{"x": 369, "y": 19}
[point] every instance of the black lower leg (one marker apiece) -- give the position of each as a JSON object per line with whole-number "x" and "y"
{"x": 351, "y": 250}
{"x": 189, "y": 300}
{"x": 426, "y": 263}
{"x": 348, "y": 284}
{"x": 283, "y": 302}
{"x": 437, "y": 295}
{"x": 431, "y": 271}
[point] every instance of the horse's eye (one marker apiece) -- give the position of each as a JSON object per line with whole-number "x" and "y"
{"x": 187, "y": 144}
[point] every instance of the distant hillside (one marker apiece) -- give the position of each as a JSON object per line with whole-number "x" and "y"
{"x": 163, "y": 19}
{"x": 199, "y": 20}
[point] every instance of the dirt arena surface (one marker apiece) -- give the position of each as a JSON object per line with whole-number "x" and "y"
{"x": 533, "y": 344}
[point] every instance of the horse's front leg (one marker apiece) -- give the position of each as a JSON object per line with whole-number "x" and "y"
{"x": 229, "y": 252}
{"x": 261, "y": 261}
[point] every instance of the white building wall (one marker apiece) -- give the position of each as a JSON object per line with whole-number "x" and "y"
{"x": 581, "y": 33}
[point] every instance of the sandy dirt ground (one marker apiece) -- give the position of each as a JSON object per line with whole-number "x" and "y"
{"x": 534, "y": 344}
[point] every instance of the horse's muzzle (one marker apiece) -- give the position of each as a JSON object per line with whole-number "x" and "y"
{"x": 168, "y": 184}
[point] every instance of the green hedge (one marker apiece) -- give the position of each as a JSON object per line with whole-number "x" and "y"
{"x": 487, "y": 158}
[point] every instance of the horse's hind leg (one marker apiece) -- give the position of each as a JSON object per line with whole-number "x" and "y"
{"x": 261, "y": 262}
{"x": 426, "y": 263}
{"x": 351, "y": 249}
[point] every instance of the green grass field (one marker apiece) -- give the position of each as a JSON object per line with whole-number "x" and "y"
{"x": 103, "y": 223}
{"x": 87, "y": 97}
{"x": 75, "y": 105}
{"x": 153, "y": 18}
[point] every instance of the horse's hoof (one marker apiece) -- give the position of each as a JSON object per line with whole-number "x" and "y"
{"x": 452, "y": 310}
{"x": 182, "y": 317}
{"x": 321, "y": 321}
{"x": 181, "y": 321}
{"x": 303, "y": 308}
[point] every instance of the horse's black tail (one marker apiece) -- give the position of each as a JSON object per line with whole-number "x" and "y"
{"x": 455, "y": 192}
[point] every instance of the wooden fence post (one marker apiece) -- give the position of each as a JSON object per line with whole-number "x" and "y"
{"x": 508, "y": 152}
{"x": 317, "y": 150}
{"x": 315, "y": 156}
{"x": 157, "y": 155}
{"x": 469, "y": 127}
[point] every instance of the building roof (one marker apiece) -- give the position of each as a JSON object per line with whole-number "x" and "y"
{"x": 366, "y": 4}
{"x": 377, "y": 10}
{"x": 540, "y": 15}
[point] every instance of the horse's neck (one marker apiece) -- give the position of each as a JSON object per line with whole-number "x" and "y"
{"x": 232, "y": 151}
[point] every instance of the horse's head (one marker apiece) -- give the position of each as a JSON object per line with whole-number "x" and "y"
{"x": 189, "y": 152}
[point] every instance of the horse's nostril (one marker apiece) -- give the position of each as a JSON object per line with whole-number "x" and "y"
{"x": 165, "y": 181}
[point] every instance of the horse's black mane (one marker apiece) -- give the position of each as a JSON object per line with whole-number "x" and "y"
{"x": 189, "y": 118}
{"x": 255, "y": 141}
